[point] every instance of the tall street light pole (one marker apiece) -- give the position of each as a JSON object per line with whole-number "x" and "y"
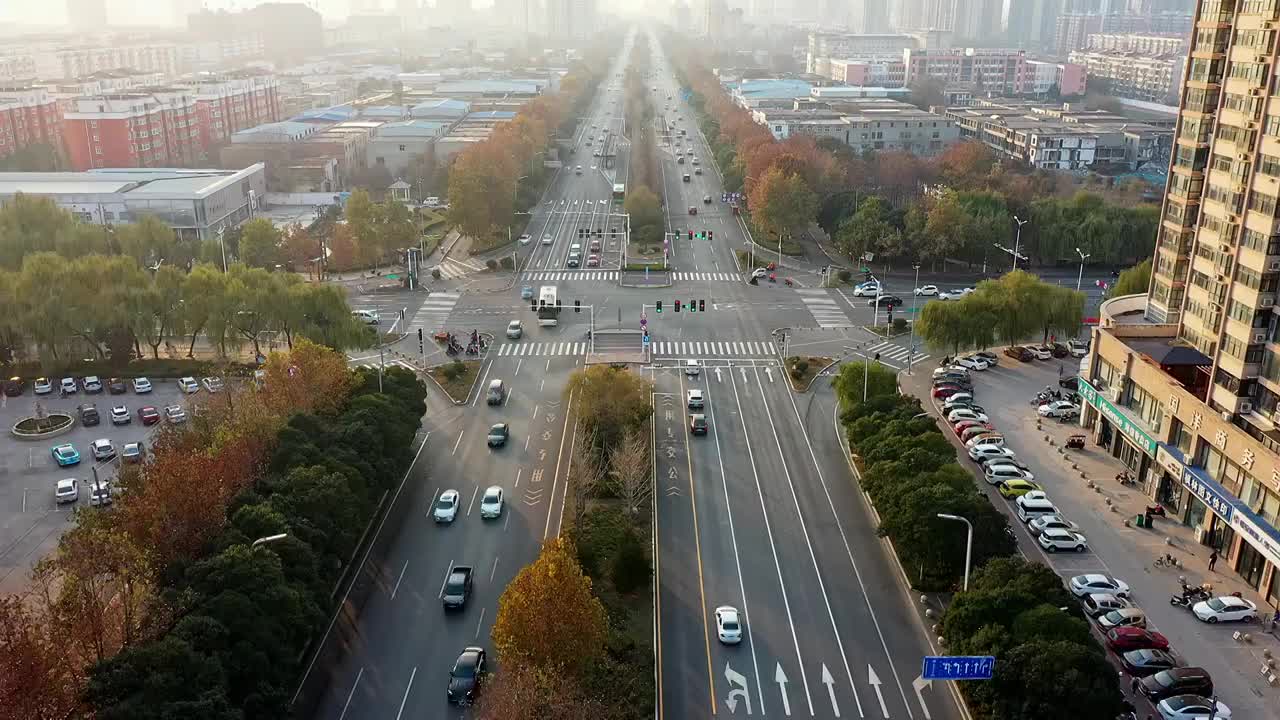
{"x": 915, "y": 297}
{"x": 1080, "y": 277}
{"x": 268, "y": 539}
{"x": 1017, "y": 242}
{"x": 968, "y": 546}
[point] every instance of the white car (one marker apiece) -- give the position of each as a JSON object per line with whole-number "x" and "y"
{"x": 871, "y": 288}
{"x": 69, "y": 386}
{"x": 141, "y": 385}
{"x": 188, "y": 385}
{"x": 1039, "y": 353}
{"x": 68, "y": 490}
{"x": 546, "y": 240}
{"x": 446, "y": 508}
{"x": 950, "y": 294}
{"x": 491, "y": 503}
{"x": 43, "y": 386}
{"x": 1226, "y": 608}
{"x": 964, "y": 413}
{"x": 175, "y": 414}
{"x": 986, "y": 451}
{"x": 1078, "y": 348}
{"x": 1051, "y": 522}
{"x": 1192, "y": 707}
{"x": 525, "y": 239}
{"x": 1055, "y": 539}
{"x": 997, "y": 473}
{"x": 1059, "y": 409}
{"x": 972, "y": 363}
{"x": 759, "y": 273}
{"x": 120, "y": 415}
{"x": 728, "y": 625}
{"x": 100, "y": 493}
{"x": 1082, "y": 585}
{"x": 212, "y": 384}
{"x": 926, "y": 291}
{"x": 102, "y": 449}
{"x": 92, "y": 384}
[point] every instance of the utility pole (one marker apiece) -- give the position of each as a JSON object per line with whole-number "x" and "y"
{"x": 911, "y": 344}
{"x": 1017, "y": 243}
{"x": 1080, "y": 277}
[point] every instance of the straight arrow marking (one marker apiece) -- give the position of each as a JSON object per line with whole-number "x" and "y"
{"x": 918, "y": 685}
{"x": 780, "y": 677}
{"x": 830, "y": 682}
{"x": 874, "y": 680}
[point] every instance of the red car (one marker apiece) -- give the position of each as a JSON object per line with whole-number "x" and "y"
{"x": 966, "y": 424}
{"x": 148, "y": 415}
{"x": 1124, "y": 639}
{"x": 945, "y": 391}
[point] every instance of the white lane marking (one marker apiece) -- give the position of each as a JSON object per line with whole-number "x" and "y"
{"x": 406, "y": 692}
{"x": 474, "y": 493}
{"x": 484, "y": 382}
{"x": 458, "y": 441}
{"x": 351, "y": 694}
{"x": 518, "y": 472}
{"x": 874, "y": 681}
{"x": 813, "y": 558}
{"x": 445, "y": 581}
{"x": 564, "y": 494}
{"x": 568, "y": 411}
{"x": 780, "y": 677}
{"x": 399, "y": 579}
{"x": 768, "y": 529}
{"x": 480, "y": 623}
{"x": 830, "y": 682}
{"x": 495, "y": 567}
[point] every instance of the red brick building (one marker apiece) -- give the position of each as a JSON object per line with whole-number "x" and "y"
{"x": 28, "y": 116}
{"x": 145, "y": 127}
{"x": 229, "y": 102}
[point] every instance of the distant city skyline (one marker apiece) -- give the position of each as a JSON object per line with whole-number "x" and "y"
{"x": 160, "y": 12}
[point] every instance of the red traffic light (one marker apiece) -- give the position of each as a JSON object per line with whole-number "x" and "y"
{"x": 677, "y": 306}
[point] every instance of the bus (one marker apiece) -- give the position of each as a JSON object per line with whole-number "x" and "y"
{"x": 619, "y": 191}
{"x": 548, "y": 306}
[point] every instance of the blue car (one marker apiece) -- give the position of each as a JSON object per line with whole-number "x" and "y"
{"x": 526, "y": 292}
{"x": 66, "y": 455}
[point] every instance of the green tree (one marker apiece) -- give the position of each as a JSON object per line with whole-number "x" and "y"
{"x": 1134, "y": 281}
{"x": 782, "y": 202}
{"x": 631, "y": 569}
{"x": 149, "y": 241}
{"x": 260, "y": 244}
{"x": 644, "y": 207}
{"x": 854, "y": 377}
{"x": 159, "y": 681}
{"x": 610, "y": 402}
{"x": 159, "y": 307}
{"x": 867, "y": 230}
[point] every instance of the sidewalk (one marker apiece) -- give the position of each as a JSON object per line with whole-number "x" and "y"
{"x": 1104, "y": 513}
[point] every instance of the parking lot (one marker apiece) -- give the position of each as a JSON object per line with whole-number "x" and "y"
{"x": 1117, "y": 547}
{"x": 31, "y": 521}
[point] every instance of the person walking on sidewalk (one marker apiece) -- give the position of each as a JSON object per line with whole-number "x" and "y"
{"x": 1213, "y": 559}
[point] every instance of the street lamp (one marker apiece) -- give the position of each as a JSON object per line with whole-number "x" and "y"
{"x": 968, "y": 546}
{"x": 915, "y": 295}
{"x": 268, "y": 539}
{"x": 1080, "y": 277}
{"x": 221, "y": 244}
{"x": 1017, "y": 243}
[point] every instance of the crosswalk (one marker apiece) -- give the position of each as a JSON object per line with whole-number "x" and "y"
{"x": 824, "y": 308}
{"x": 451, "y": 268}
{"x": 572, "y": 275}
{"x": 714, "y": 349}
{"x": 372, "y": 363}
{"x": 706, "y": 276}
{"x": 435, "y": 311}
{"x": 893, "y": 354}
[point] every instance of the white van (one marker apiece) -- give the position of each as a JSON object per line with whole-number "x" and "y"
{"x": 1033, "y": 505}
{"x": 432, "y": 201}
{"x": 369, "y": 317}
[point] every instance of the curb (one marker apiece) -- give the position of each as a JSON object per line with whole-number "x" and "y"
{"x": 45, "y": 435}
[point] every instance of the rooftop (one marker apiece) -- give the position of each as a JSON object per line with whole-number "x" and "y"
{"x": 152, "y": 182}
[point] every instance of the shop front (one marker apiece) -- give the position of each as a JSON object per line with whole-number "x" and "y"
{"x": 1121, "y": 435}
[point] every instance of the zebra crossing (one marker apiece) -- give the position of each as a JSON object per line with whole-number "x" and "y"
{"x": 894, "y": 355}
{"x": 435, "y": 311}
{"x": 706, "y": 276}
{"x": 572, "y": 275}
{"x": 714, "y": 349}
{"x": 824, "y": 308}
{"x": 453, "y": 269}
{"x": 542, "y": 349}
{"x": 371, "y": 363}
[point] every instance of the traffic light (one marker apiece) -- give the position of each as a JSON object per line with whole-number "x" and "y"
{"x": 677, "y": 306}
{"x": 690, "y": 234}
{"x": 579, "y": 232}
{"x": 533, "y": 304}
{"x": 693, "y": 306}
{"x": 577, "y": 306}
{"x": 710, "y": 233}
{"x": 702, "y": 306}
{"x": 658, "y": 307}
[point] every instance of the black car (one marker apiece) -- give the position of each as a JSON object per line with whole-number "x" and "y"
{"x": 1069, "y": 383}
{"x": 14, "y": 386}
{"x": 465, "y": 677}
{"x": 89, "y": 415}
{"x": 885, "y": 301}
{"x": 116, "y": 386}
{"x": 1141, "y": 663}
{"x": 1175, "y": 681}
{"x": 698, "y": 424}
{"x": 1059, "y": 350}
{"x": 498, "y": 435}
{"x": 1019, "y": 353}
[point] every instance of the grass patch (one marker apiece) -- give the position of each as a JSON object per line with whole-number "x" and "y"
{"x": 790, "y": 245}
{"x": 430, "y": 242}
{"x": 899, "y": 327}
{"x": 457, "y": 377}
{"x": 639, "y": 266}
{"x": 493, "y": 242}
{"x": 802, "y": 370}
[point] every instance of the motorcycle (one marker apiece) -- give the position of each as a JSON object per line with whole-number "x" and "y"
{"x": 1125, "y": 478}
{"x": 1156, "y": 510}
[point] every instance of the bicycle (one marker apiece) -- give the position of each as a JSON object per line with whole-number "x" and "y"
{"x": 1167, "y": 561}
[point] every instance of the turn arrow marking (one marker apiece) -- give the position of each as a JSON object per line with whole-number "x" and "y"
{"x": 874, "y": 680}
{"x": 736, "y": 693}
{"x": 830, "y": 682}
{"x": 781, "y": 678}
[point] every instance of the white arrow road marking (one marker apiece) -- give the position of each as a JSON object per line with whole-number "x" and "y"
{"x": 830, "y": 682}
{"x": 738, "y": 693}
{"x": 919, "y": 684}
{"x": 744, "y": 374}
{"x": 717, "y": 374}
{"x": 781, "y": 678}
{"x": 874, "y": 680}
{"x": 769, "y": 371}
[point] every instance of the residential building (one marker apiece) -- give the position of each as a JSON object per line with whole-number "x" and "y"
{"x": 396, "y": 145}
{"x": 146, "y": 127}
{"x": 768, "y": 92}
{"x": 28, "y": 116}
{"x": 1135, "y": 74}
{"x": 823, "y": 46}
{"x": 1031, "y": 24}
{"x": 1072, "y": 30}
{"x": 989, "y": 70}
{"x": 195, "y": 203}
{"x": 1043, "y": 78}
{"x": 80, "y": 61}
{"x": 925, "y": 15}
{"x": 87, "y": 16}
{"x": 1063, "y": 136}
{"x": 865, "y": 124}
{"x": 227, "y": 103}
{"x": 872, "y": 72}
{"x": 974, "y": 19}
{"x": 1145, "y": 43}
{"x": 474, "y": 128}
{"x": 867, "y": 16}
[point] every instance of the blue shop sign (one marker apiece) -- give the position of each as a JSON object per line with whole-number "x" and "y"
{"x": 1209, "y": 491}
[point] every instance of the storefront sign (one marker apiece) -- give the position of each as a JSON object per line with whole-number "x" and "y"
{"x": 1257, "y": 535}
{"x": 1171, "y": 464}
{"x": 1210, "y": 493}
{"x": 1136, "y": 435}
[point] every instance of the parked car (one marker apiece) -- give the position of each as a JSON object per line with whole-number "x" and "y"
{"x": 947, "y": 390}
{"x": 148, "y": 415}
{"x": 66, "y": 491}
{"x": 966, "y": 424}
{"x": 188, "y": 385}
{"x": 175, "y": 414}
{"x": 1082, "y": 585}
{"x": 117, "y": 386}
{"x": 133, "y": 452}
{"x": 1019, "y": 353}
{"x": 1047, "y": 522}
{"x": 102, "y": 449}
{"x": 1099, "y": 603}
{"x": 212, "y": 384}
{"x": 1124, "y": 639}
{"x": 1071, "y": 384}
{"x": 89, "y": 415}
{"x": 42, "y": 386}
{"x": 959, "y": 414}
{"x": 1064, "y": 409}
{"x": 1121, "y": 618}
{"x": 972, "y": 363}
{"x": 985, "y": 452}
{"x": 991, "y": 358}
{"x": 1227, "y": 608}
{"x": 65, "y": 454}
{"x": 956, "y": 401}
{"x": 972, "y": 432}
{"x": 1193, "y": 707}
{"x": 92, "y": 385}
{"x": 1176, "y": 681}
{"x": 141, "y": 385}
{"x": 69, "y": 385}
{"x": 1016, "y": 487}
{"x": 120, "y": 415}
{"x": 1149, "y": 661}
{"x": 1078, "y": 348}
{"x": 1059, "y": 350}
{"x": 1040, "y": 352}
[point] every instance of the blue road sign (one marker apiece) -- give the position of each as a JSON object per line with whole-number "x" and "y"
{"x": 958, "y": 667}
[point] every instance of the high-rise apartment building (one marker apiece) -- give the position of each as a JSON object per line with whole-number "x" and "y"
{"x": 1183, "y": 383}
{"x": 152, "y": 127}
{"x": 28, "y": 116}
{"x": 575, "y": 20}
{"x": 1031, "y": 24}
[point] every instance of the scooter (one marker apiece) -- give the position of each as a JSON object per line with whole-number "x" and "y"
{"x": 1125, "y": 478}
{"x": 1156, "y": 510}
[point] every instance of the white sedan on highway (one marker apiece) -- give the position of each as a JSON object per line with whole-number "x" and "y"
{"x": 1227, "y": 608}
{"x": 927, "y": 291}
{"x": 446, "y": 509}
{"x": 728, "y": 625}
{"x": 491, "y": 503}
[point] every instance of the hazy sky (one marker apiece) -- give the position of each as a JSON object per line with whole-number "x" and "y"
{"x": 158, "y": 12}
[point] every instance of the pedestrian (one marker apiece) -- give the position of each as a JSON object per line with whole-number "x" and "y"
{"x": 1213, "y": 559}
{"x": 1060, "y": 370}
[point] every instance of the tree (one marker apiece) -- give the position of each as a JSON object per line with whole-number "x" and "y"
{"x": 610, "y": 402}
{"x": 39, "y": 676}
{"x": 966, "y": 164}
{"x": 849, "y": 384}
{"x": 149, "y": 241}
{"x": 36, "y": 157}
{"x": 781, "y": 202}
{"x": 548, "y": 618}
{"x": 1134, "y": 281}
{"x": 644, "y": 207}
{"x": 532, "y": 693}
{"x": 630, "y": 470}
{"x": 631, "y": 569}
{"x": 362, "y": 218}
{"x": 586, "y": 473}
{"x": 1055, "y": 681}
{"x": 867, "y": 230}
{"x": 260, "y": 244}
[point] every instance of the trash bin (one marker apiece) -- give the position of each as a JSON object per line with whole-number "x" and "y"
{"x": 1140, "y": 520}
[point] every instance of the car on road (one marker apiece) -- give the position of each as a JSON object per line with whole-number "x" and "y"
{"x": 888, "y": 301}
{"x": 1056, "y": 539}
{"x": 117, "y": 386}
{"x": 574, "y": 260}
{"x": 188, "y": 385}
{"x": 1039, "y": 352}
{"x": 133, "y": 452}
{"x": 212, "y": 384}
{"x": 1125, "y": 617}
{"x": 728, "y": 625}
{"x": 526, "y": 292}
{"x": 120, "y": 415}
{"x": 457, "y": 587}
{"x": 148, "y": 415}
{"x": 697, "y": 171}
{"x": 102, "y": 449}
{"x": 759, "y": 273}
{"x": 141, "y": 385}
{"x": 1082, "y": 585}
{"x": 1226, "y": 608}
{"x": 546, "y": 240}
{"x": 692, "y": 368}
{"x": 693, "y": 209}
{"x": 951, "y": 294}
{"x": 706, "y": 199}
{"x": 66, "y": 491}
{"x": 466, "y": 676}
{"x": 926, "y": 291}
{"x": 593, "y": 261}
{"x": 870, "y": 288}
{"x": 1016, "y": 487}
{"x": 496, "y": 393}
{"x": 1071, "y": 384}
{"x": 514, "y": 330}
{"x": 1099, "y": 603}
{"x": 446, "y": 508}
{"x": 1176, "y": 681}
{"x": 1064, "y": 409}
{"x": 174, "y": 414}
{"x": 972, "y": 363}
{"x": 1148, "y": 661}
{"x": 987, "y": 452}
{"x": 694, "y": 399}
{"x": 1019, "y": 353}
{"x": 491, "y": 503}
{"x": 1051, "y": 522}
{"x": 1124, "y": 639}
{"x": 65, "y": 454}
{"x": 1193, "y": 707}
{"x": 959, "y": 414}
{"x": 499, "y": 433}
{"x": 69, "y": 386}
{"x": 43, "y": 386}
{"x": 698, "y": 424}
{"x": 92, "y": 385}
{"x": 1078, "y": 348}
{"x": 525, "y": 239}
